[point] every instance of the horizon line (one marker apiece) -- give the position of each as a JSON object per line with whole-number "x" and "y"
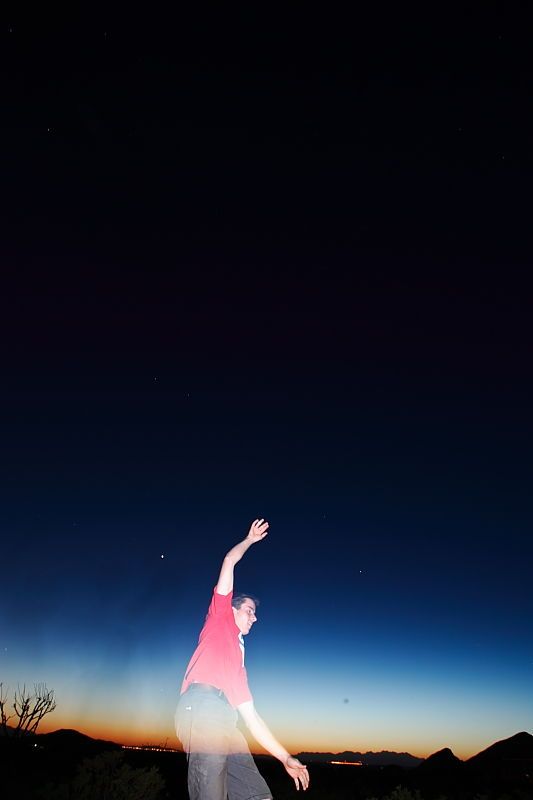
{"x": 159, "y": 747}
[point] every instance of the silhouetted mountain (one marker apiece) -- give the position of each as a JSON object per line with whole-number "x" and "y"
{"x": 9, "y": 732}
{"x": 36, "y": 760}
{"x": 518, "y": 746}
{"x": 370, "y": 759}
{"x": 507, "y": 759}
{"x": 442, "y": 760}
{"x": 72, "y": 741}
{"x": 441, "y": 773}
{"x": 503, "y": 768}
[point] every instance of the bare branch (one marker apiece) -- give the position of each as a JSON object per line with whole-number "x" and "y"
{"x": 4, "y": 717}
{"x": 29, "y": 708}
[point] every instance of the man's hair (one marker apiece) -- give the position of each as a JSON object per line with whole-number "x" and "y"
{"x": 238, "y": 599}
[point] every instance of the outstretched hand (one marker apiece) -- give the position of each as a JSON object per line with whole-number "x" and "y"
{"x": 258, "y": 530}
{"x": 298, "y": 772}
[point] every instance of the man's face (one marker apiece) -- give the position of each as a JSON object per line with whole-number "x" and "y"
{"x": 245, "y": 616}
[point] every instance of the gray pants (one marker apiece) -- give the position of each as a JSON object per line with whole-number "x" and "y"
{"x": 220, "y": 763}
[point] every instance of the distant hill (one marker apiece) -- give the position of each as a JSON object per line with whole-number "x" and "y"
{"x": 508, "y": 758}
{"x": 507, "y": 761}
{"x": 384, "y": 758}
{"x": 442, "y": 760}
{"x": 512, "y": 757}
{"x": 502, "y": 768}
{"x": 72, "y": 741}
{"x": 518, "y": 746}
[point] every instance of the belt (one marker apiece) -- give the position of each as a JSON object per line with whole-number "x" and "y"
{"x": 207, "y": 687}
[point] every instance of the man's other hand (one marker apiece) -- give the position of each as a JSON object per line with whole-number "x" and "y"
{"x": 298, "y": 772}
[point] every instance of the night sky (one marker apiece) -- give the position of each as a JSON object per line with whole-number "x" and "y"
{"x": 260, "y": 266}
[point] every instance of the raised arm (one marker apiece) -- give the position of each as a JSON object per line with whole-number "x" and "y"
{"x": 258, "y": 530}
{"x": 262, "y": 734}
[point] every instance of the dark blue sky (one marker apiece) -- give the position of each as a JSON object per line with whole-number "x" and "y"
{"x": 287, "y": 281}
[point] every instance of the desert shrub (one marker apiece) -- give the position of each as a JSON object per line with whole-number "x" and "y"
{"x": 401, "y": 793}
{"x": 107, "y": 777}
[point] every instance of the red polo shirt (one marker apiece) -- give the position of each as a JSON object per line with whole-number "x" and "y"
{"x": 218, "y": 658}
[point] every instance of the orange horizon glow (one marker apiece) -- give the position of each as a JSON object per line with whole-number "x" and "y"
{"x": 151, "y": 736}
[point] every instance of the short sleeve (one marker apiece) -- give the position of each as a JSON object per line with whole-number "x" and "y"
{"x": 220, "y": 604}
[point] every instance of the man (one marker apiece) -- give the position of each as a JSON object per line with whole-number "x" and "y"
{"x": 215, "y": 688}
